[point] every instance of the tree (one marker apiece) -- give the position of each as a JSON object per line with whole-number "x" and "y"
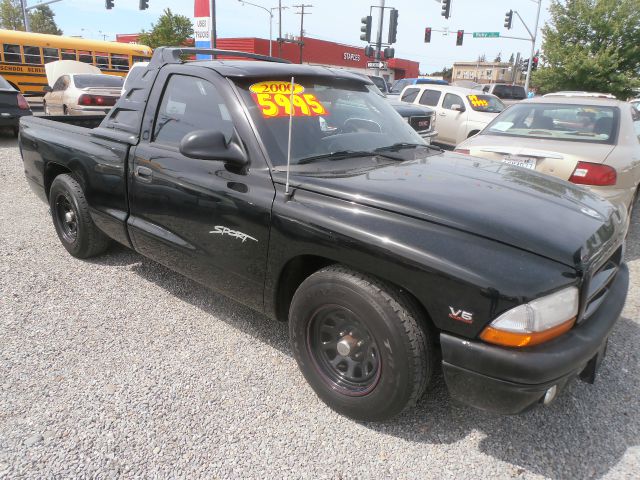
{"x": 11, "y": 15}
{"x": 498, "y": 58}
{"x": 512, "y": 59}
{"x": 445, "y": 73}
{"x": 171, "y": 30}
{"x": 591, "y": 45}
{"x": 41, "y": 20}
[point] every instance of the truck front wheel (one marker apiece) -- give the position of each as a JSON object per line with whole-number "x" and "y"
{"x": 70, "y": 214}
{"x": 360, "y": 343}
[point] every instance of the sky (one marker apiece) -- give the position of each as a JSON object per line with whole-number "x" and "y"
{"x": 335, "y": 20}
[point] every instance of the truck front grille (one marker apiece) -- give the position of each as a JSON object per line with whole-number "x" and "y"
{"x": 420, "y": 123}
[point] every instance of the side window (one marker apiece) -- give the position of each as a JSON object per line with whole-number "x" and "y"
{"x": 410, "y": 94}
{"x": 32, "y": 55}
{"x": 59, "y": 85}
{"x": 85, "y": 57}
{"x": 188, "y": 104}
{"x": 119, "y": 62}
{"x": 635, "y": 117}
{"x": 68, "y": 54}
{"x": 430, "y": 98}
{"x": 451, "y": 99}
{"x": 102, "y": 60}
{"x": 12, "y": 53}
{"x": 50, "y": 55}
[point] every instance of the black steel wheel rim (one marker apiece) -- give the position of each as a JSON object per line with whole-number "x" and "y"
{"x": 67, "y": 218}
{"x": 343, "y": 350}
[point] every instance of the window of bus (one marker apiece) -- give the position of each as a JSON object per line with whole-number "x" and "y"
{"x": 68, "y": 54}
{"x": 102, "y": 60}
{"x": 12, "y": 53}
{"x": 119, "y": 62}
{"x": 50, "y": 54}
{"x": 32, "y": 55}
{"x": 137, "y": 59}
{"x": 85, "y": 56}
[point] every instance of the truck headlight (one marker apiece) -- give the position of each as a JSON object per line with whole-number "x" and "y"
{"x": 535, "y": 322}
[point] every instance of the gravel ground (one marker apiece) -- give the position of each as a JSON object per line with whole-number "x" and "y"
{"x": 117, "y": 367}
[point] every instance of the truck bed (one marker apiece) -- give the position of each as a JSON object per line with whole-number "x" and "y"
{"x": 97, "y": 156}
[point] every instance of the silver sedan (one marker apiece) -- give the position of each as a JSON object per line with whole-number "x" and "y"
{"x": 82, "y": 94}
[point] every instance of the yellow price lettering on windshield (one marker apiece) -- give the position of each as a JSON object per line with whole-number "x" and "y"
{"x": 477, "y": 102}
{"x": 274, "y": 87}
{"x": 275, "y": 100}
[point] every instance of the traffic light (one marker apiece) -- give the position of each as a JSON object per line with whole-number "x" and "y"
{"x": 366, "y": 28}
{"x": 389, "y": 52}
{"x": 508, "y": 19}
{"x": 369, "y": 51}
{"x": 446, "y": 8}
{"x": 460, "y": 38}
{"x": 393, "y": 26}
{"x": 108, "y": 4}
{"x": 525, "y": 66}
{"x": 143, "y": 5}
{"x": 427, "y": 35}
{"x": 535, "y": 63}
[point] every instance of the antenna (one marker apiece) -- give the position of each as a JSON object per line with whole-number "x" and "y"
{"x": 286, "y": 186}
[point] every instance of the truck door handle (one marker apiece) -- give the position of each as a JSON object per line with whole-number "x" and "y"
{"x": 144, "y": 174}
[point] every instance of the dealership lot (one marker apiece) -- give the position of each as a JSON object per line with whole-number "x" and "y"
{"x": 120, "y": 366}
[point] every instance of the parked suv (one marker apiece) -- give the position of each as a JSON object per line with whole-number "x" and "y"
{"x": 509, "y": 94}
{"x": 397, "y": 87}
{"x": 460, "y": 112}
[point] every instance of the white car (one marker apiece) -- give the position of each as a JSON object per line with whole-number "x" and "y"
{"x": 461, "y": 112}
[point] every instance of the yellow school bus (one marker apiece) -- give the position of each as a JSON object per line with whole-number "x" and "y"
{"x": 23, "y": 55}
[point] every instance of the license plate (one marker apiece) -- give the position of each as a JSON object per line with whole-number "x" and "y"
{"x": 518, "y": 161}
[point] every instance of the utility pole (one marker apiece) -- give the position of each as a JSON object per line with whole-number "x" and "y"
{"x": 214, "y": 20}
{"x": 534, "y": 37}
{"x": 302, "y": 13}
{"x": 379, "y": 38}
{"x": 23, "y": 4}
{"x": 279, "y": 28}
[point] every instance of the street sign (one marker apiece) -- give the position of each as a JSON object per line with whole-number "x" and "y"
{"x": 380, "y": 65}
{"x": 486, "y": 34}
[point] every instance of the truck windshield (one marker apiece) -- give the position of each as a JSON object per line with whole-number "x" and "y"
{"x": 330, "y": 115}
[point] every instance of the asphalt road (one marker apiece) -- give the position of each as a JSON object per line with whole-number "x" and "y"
{"x": 118, "y": 367}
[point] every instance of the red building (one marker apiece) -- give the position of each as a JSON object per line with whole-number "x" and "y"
{"x": 315, "y": 52}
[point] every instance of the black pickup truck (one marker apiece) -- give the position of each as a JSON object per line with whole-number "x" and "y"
{"x": 298, "y": 191}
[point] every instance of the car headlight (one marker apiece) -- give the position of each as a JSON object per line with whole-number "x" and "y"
{"x": 535, "y": 322}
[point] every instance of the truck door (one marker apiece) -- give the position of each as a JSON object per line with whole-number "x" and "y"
{"x": 202, "y": 218}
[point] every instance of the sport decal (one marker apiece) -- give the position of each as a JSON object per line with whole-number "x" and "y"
{"x": 274, "y": 100}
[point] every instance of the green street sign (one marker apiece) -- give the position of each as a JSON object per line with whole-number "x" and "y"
{"x": 486, "y": 34}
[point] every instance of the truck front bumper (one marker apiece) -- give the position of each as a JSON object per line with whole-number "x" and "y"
{"x": 510, "y": 381}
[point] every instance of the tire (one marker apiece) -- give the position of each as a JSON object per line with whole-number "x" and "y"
{"x": 71, "y": 218}
{"x": 16, "y": 131}
{"x": 65, "y": 110}
{"x": 472, "y": 133}
{"x": 340, "y": 319}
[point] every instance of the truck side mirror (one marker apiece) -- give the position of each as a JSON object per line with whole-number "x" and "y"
{"x": 212, "y": 145}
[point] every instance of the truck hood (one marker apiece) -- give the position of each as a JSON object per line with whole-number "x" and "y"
{"x": 508, "y": 204}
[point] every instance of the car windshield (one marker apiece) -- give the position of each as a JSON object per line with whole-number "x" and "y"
{"x": 332, "y": 118}
{"x": 486, "y": 103}
{"x": 89, "y": 81}
{"x": 576, "y": 123}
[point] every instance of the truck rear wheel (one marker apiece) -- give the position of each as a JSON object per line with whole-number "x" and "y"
{"x": 70, "y": 214}
{"x": 360, "y": 344}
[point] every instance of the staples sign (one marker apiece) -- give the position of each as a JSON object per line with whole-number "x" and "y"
{"x": 354, "y": 57}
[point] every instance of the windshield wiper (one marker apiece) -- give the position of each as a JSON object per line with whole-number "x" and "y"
{"x": 402, "y": 145}
{"x": 339, "y": 155}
